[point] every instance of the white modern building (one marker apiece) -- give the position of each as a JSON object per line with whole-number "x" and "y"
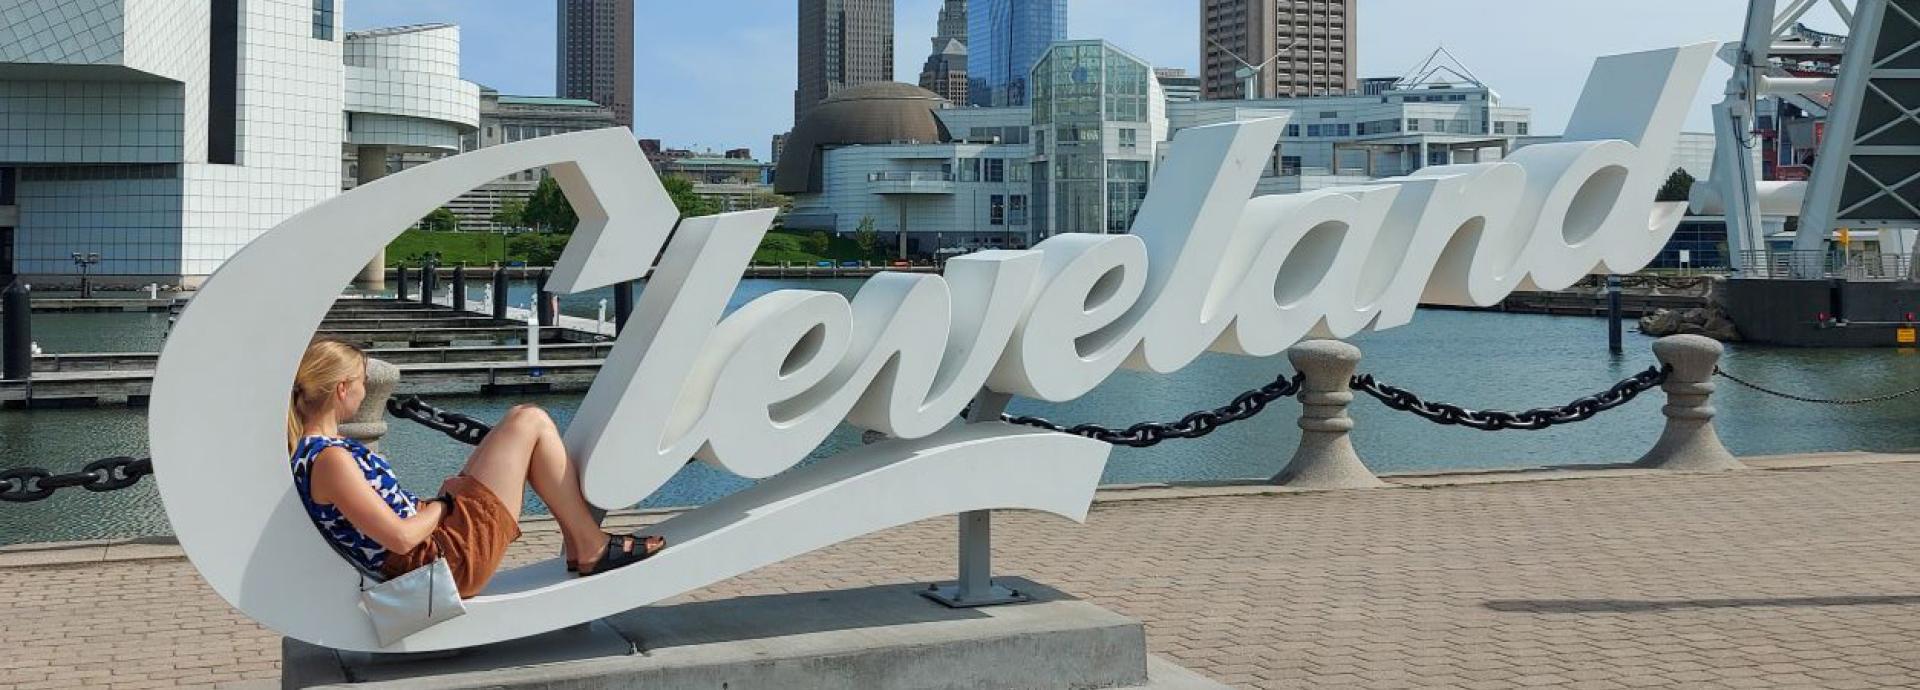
{"x": 1350, "y": 139}
{"x": 1099, "y": 115}
{"x": 897, "y": 158}
{"x": 160, "y": 136}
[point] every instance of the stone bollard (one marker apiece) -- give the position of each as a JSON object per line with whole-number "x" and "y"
{"x": 369, "y": 423}
{"x": 1689, "y": 442}
{"x": 1325, "y": 458}
{"x": 400, "y": 282}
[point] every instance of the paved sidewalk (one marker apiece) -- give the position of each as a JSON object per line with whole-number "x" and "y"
{"x": 1802, "y": 576}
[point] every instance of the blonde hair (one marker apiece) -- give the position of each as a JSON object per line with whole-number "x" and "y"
{"x": 326, "y": 364}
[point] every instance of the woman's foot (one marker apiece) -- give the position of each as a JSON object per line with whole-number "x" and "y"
{"x": 621, "y": 550}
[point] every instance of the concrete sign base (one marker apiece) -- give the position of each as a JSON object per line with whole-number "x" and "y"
{"x": 875, "y": 637}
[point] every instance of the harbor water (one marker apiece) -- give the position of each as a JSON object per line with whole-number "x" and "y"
{"x": 1475, "y": 359}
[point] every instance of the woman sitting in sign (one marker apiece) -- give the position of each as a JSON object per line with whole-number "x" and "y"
{"x": 353, "y": 495}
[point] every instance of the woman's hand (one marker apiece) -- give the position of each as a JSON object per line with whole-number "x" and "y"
{"x": 337, "y": 480}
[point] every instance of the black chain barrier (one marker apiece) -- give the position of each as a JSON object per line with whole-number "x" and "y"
{"x": 1722, "y": 373}
{"x": 28, "y": 484}
{"x": 456, "y": 426}
{"x": 1530, "y": 420}
{"x": 1194, "y": 425}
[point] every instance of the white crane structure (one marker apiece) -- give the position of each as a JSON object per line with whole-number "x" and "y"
{"x": 1249, "y": 73}
{"x": 1866, "y": 173}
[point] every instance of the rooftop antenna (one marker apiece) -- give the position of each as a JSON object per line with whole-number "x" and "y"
{"x": 1433, "y": 67}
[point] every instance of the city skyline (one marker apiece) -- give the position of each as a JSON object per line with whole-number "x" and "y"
{"x": 694, "y": 96}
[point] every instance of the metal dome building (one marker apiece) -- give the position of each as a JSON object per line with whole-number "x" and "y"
{"x": 873, "y": 113}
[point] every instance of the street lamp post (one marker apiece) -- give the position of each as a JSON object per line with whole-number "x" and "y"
{"x": 85, "y": 260}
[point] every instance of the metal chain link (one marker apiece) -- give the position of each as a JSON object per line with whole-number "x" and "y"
{"x": 459, "y": 427}
{"x": 1193, "y": 425}
{"x": 1717, "y": 371}
{"x": 26, "y": 484}
{"x": 1531, "y": 420}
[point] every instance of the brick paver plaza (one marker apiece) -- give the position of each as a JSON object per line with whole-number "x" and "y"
{"x": 1800, "y": 576}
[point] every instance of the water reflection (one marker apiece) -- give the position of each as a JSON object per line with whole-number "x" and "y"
{"x": 1479, "y": 360}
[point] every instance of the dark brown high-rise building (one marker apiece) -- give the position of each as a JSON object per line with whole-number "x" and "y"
{"x": 842, "y": 43}
{"x": 595, "y": 57}
{"x": 1301, "y": 47}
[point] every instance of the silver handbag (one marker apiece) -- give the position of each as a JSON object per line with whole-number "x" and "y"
{"x": 412, "y": 602}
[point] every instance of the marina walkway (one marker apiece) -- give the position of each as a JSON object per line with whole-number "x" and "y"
{"x": 1803, "y": 574}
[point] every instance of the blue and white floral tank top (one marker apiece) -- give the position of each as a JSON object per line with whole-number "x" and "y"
{"x": 379, "y": 474}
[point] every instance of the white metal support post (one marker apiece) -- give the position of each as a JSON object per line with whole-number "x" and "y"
{"x": 975, "y": 586}
{"x": 1733, "y": 121}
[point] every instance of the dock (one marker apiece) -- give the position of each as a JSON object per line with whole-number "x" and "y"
{"x": 113, "y": 305}
{"x": 437, "y": 349}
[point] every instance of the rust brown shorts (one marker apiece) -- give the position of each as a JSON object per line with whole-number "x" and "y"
{"x": 472, "y": 536}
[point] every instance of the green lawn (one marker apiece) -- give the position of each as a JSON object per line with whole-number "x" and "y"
{"x": 793, "y": 247}
{"x": 470, "y": 248}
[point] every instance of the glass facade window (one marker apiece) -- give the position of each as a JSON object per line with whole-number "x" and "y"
{"x": 969, "y": 170}
{"x": 1017, "y": 209}
{"x": 1004, "y": 40}
{"x": 1126, "y": 190}
{"x": 997, "y": 210}
{"x": 1082, "y": 89}
{"x": 996, "y": 170}
{"x": 323, "y": 19}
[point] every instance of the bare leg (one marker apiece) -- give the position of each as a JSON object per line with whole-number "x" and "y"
{"x": 526, "y": 448}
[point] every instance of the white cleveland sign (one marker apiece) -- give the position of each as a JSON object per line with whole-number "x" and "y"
{"x": 1206, "y": 268}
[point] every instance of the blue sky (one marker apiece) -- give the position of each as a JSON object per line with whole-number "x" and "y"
{"x": 719, "y": 74}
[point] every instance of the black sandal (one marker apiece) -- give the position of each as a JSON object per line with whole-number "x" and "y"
{"x": 617, "y": 557}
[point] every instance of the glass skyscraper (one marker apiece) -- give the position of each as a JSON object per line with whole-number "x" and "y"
{"x": 1004, "y": 40}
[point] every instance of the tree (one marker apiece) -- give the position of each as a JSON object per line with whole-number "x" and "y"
{"x": 866, "y": 236}
{"x": 537, "y": 249}
{"x": 818, "y": 243}
{"x": 512, "y": 214}
{"x": 690, "y": 203}
{"x": 441, "y": 220}
{"x": 548, "y": 208}
{"x": 1679, "y": 187}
